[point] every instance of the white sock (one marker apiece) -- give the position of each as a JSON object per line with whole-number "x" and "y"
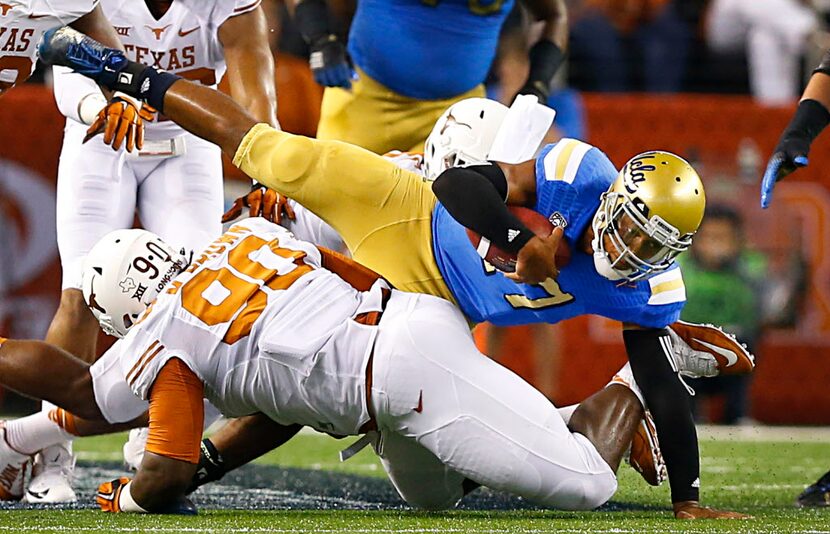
{"x": 567, "y": 412}
{"x": 30, "y": 434}
{"x": 625, "y": 377}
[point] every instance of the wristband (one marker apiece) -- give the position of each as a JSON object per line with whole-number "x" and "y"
{"x": 545, "y": 59}
{"x": 809, "y": 120}
{"x": 90, "y": 106}
{"x": 126, "y": 503}
{"x": 824, "y": 66}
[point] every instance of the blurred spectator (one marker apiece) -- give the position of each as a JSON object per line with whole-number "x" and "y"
{"x": 628, "y": 45}
{"x": 723, "y": 286}
{"x": 510, "y": 70}
{"x": 775, "y": 35}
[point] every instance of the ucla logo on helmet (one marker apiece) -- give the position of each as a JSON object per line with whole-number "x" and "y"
{"x": 635, "y": 171}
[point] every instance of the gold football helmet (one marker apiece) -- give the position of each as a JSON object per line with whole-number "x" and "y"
{"x": 647, "y": 217}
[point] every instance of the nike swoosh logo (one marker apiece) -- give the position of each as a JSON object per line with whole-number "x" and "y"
{"x": 731, "y": 357}
{"x": 183, "y": 33}
{"x": 38, "y": 494}
{"x": 37, "y": 16}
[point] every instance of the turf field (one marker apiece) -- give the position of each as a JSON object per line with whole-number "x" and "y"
{"x": 303, "y": 488}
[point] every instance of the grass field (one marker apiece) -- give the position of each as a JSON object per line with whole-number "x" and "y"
{"x": 303, "y": 488}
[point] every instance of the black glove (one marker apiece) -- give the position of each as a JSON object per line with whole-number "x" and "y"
{"x": 329, "y": 64}
{"x": 794, "y": 146}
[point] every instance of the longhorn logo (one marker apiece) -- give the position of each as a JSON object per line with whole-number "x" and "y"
{"x": 158, "y": 31}
{"x": 5, "y": 8}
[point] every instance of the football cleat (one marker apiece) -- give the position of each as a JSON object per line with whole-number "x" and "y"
{"x": 70, "y": 48}
{"x": 13, "y": 467}
{"x": 705, "y": 350}
{"x": 52, "y": 476}
{"x": 645, "y": 456}
{"x": 817, "y": 494}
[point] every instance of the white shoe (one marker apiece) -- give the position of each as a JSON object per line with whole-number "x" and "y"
{"x": 13, "y": 467}
{"x": 52, "y": 476}
{"x": 134, "y": 448}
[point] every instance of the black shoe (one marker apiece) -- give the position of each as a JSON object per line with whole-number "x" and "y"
{"x": 817, "y": 494}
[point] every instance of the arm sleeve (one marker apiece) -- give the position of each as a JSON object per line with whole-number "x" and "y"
{"x": 668, "y": 401}
{"x": 71, "y": 90}
{"x": 176, "y": 413}
{"x": 475, "y": 197}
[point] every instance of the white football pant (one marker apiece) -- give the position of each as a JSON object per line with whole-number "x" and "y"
{"x": 179, "y": 198}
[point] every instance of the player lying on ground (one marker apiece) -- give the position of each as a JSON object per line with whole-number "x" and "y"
{"x": 263, "y": 322}
{"x": 392, "y": 222}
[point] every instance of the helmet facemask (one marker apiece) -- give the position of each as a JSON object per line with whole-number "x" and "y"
{"x": 639, "y": 246}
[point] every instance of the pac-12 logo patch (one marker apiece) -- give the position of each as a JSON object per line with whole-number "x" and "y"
{"x": 558, "y": 220}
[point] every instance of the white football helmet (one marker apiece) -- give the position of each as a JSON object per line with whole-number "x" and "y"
{"x": 122, "y": 275}
{"x": 463, "y": 135}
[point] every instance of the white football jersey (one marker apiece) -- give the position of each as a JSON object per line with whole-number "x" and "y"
{"x": 184, "y": 41}
{"x": 22, "y": 23}
{"x": 264, "y": 327}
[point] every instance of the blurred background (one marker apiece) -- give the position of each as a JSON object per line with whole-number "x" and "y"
{"x": 712, "y": 80}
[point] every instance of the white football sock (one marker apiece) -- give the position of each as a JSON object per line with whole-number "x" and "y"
{"x": 35, "y": 432}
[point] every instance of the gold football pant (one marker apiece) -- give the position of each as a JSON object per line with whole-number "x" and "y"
{"x": 373, "y": 116}
{"x": 383, "y": 212}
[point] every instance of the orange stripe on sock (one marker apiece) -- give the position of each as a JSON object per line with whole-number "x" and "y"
{"x": 63, "y": 419}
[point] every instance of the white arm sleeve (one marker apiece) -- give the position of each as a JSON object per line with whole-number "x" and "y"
{"x": 78, "y": 97}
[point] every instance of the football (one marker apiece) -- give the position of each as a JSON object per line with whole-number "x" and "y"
{"x": 506, "y": 261}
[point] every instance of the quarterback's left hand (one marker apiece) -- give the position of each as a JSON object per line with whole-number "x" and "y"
{"x": 693, "y": 510}
{"x": 109, "y": 494}
{"x": 790, "y": 155}
{"x": 261, "y": 202}
{"x": 122, "y": 123}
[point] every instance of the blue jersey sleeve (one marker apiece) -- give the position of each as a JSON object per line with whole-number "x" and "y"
{"x": 570, "y": 178}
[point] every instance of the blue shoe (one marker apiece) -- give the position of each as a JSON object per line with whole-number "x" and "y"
{"x": 70, "y": 48}
{"x": 817, "y": 494}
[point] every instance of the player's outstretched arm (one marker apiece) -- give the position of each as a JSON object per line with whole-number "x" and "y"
{"x": 811, "y": 117}
{"x": 202, "y": 111}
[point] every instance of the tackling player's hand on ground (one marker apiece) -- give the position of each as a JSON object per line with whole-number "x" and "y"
{"x": 109, "y": 494}
{"x": 693, "y": 510}
{"x": 261, "y": 202}
{"x": 536, "y": 261}
{"x": 122, "y": 123}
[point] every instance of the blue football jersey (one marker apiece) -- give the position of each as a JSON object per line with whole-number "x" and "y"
{"x": 570, "y": 177}
{"x": 427, "y": 49}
